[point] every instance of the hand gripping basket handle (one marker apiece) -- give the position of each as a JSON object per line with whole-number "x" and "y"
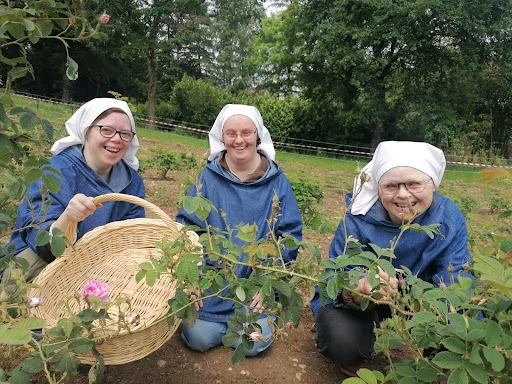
{"x": 70, "y": 232}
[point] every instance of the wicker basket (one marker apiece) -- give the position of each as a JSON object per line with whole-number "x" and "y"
{"x": 111, "y": 254}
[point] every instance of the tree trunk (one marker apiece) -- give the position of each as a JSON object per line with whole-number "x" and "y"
{"x": 152, "y": 85}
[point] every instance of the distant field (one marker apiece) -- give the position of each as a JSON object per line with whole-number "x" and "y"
{"x": 59, "y": 113}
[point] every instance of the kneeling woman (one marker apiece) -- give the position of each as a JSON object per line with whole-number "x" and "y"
{"x": 240, "y": 179}
{"x": 401, "y": 187}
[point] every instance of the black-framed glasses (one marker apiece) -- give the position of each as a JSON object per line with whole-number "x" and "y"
{"x": 390, "y": 187}
{"x": 109, "y": 132}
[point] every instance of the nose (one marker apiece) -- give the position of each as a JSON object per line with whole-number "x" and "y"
{"x": 402, "y": 190}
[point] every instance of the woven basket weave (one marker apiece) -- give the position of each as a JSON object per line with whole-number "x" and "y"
{"x": 111, "y": 254}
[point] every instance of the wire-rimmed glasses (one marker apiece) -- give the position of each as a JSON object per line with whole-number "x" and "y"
{"x": 231, "y": 135}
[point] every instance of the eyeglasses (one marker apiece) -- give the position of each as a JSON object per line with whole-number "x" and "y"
{"x": 231, "y": 135}
{"x": 412, "y": 185}
{"x": 108, "y": 131}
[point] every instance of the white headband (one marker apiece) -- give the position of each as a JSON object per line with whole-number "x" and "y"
{"x": 391, "y": 154}
{"x": 83, "y": 118}
{"x": 215, "y": 136}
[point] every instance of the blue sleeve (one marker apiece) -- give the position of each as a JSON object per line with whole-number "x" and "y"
{"x": 455, "y": 254}
{"x": 290, "y": 221}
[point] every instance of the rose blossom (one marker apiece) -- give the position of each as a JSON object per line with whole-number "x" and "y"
{"x": 104, "y": 18}
{"x": 35, "y": 302}
{"x": 95, "y": 288}
{"x": 256, "y": 336}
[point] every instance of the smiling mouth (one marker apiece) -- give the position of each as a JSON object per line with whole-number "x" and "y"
{"x": 112, "y": 150}
{"x": 404, "y": 206}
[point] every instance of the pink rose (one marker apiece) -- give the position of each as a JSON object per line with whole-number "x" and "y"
{"x": 256, "y": 336}
{"x": 104, "y": 18}
{"x": 97, "y": 289}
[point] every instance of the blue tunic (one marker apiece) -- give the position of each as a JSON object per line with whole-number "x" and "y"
{"x": 78, "y": 177}
{"x": 427, "y": 258}
{"x": 248, "y": 203}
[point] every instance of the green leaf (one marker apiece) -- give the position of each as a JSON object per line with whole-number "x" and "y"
{"x": 240, "y": 293}
{"x": 458, "y": 376}
{"x": 421, "y": 318}
{"x": 150, "y": 278}
{"x": 19, "y": 376}
{"x": 193, "y": 272}
{"x": 239, "y": 354}
{"x": 32, "y": 175}
{"x": 493, "y": 334}
{"x": 46, "y": 26}
{"x": 447, "y": 360}
{"x": 455, "y": 345}
{"x": 48, "y": 129}
{"x": 15, "y": 337}
{"x": 230, "y": 338}
{"x": 28, "y": 120}
{"x": 190, "y": 203}
{"x": 495, "y": 358}
{"x": 335, "y": 285}
{"x": 367, "y": 375}
{"x": 82, "y": 345}
{"x": 64, "y": 362}
{"x": 51, "y": 182}
{"x": 71, "y": 69}
{"x": 58, "y": 246}
{"x": 32, "y": 365}
{"x": 477, "y": 372}
{"x": 475, "y": 357}
{"x": 283, "y": 287}
{"x": 29, "y": 323}
{"x": 29, "y": 25}
{"x": 42, "y": 238}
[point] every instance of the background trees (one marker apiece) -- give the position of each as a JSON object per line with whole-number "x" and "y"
{"x": 364, "y": 71}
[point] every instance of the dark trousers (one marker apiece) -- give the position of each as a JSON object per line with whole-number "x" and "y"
{"x": 346, "y": 336}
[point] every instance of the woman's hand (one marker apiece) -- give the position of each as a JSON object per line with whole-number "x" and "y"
{"x": 79, "y": 207}
{"x": 388, "y": 286}
{"x": 256, "y": 303}
{"x": 198, "y": 304}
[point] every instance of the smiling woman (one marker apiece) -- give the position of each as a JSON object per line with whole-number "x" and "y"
{"x": 242, "y": 180}
{"x": 397, "y": 187}
{"x": 97, "y": 157}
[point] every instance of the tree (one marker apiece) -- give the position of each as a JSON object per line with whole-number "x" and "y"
{"x": 233, "y": 29}
{"x": 356, "y": 47}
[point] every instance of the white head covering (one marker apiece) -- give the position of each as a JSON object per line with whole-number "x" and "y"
{"x": 217, "y": 144}
{"x": 83, "y": 118}
{"x": 390, "y": 154}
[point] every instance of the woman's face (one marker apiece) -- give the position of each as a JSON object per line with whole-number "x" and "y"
{"x": 405, "y": 205}
{"x": 102, "y": 153}
{"x": 240, "y": 135}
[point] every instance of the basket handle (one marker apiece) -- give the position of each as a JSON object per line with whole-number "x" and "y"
{"x": 71, "y": 230}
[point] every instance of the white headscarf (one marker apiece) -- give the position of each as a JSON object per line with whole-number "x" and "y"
{"x": 390, "y": 154}
{"x": 217, "y": 144}
{"x": 83, "y": 118}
